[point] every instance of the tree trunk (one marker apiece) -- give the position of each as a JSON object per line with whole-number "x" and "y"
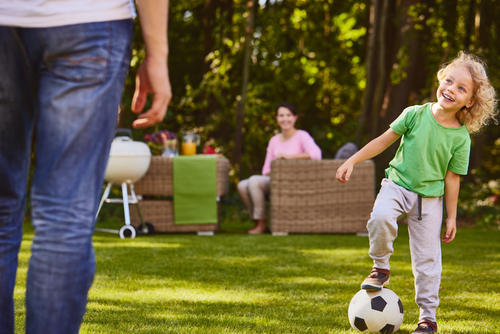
{"x": 408, "y": 91}
{"x": 214, "y": 11}
{"x": 471, "y": 17}
{"x": 382, "y": 69}
{"x": 252, "y": 6}
{"x": 478, "y": 141}
{"x": 450, "y": 16}
{"x": 485, "y": 22}
{"x": 371, "y": 69}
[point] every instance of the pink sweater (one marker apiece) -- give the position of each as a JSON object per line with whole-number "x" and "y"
{"x": 301, "y": 142}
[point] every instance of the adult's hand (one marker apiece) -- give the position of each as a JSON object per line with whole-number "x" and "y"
{"x": 281, "y": 156}
{"x": 152, "y": 78}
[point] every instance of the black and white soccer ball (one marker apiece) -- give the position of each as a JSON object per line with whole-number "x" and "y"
{"x": 376, "y": 312}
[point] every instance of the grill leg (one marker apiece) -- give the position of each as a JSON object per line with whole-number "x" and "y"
{"x": 125, "y": 203}
{"x": 134, "y": 197}
{"x": 104, "y": 197}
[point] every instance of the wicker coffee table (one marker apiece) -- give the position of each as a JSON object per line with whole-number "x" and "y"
{"x": 157, "y": 208}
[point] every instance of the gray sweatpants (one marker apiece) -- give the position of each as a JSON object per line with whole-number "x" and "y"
{"x": 425, "y": 244}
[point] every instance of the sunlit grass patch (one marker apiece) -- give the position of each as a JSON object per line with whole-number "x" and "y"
{"x": 235, "y": 283}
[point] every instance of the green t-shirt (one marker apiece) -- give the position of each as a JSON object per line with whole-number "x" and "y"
{"x": 427, "y": 150}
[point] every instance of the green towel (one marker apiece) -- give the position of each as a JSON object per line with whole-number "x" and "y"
{"x": 195, "y": 190}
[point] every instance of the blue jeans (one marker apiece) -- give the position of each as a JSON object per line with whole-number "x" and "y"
{"x": 60, "y": 89}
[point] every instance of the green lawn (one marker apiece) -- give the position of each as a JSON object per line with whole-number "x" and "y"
{"x": 235, "y": 283}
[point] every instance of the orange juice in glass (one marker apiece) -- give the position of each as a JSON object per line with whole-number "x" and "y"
{"x": 188, "y": 148}
{"x": 190, "y": 141}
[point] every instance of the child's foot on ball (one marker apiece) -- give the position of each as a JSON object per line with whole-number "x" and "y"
{"x": 377, "y": 279}
{"x": 426, "y": 326}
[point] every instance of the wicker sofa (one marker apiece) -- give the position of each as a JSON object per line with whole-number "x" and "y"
{"x": 306, "y": 197}
{"x": 157, "y": 189}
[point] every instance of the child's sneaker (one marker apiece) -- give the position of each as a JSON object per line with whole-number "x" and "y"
{"x": 377, "y": 279}
{"x": 426, "y": 326}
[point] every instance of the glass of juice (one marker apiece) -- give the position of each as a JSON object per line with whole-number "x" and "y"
{"x": 190, "y": 142}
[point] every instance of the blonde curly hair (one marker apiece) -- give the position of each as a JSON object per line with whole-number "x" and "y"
{"x": 484, "y": 108}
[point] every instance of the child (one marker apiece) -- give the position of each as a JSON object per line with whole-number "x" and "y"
{"x": 433, "y": 153}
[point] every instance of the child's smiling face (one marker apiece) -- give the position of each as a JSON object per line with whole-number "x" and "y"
{"x": 456, "y": 90}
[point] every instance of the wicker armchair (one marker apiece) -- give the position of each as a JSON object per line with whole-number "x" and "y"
{"x": 306, "y": 197}
{"x": 160, "y": 212}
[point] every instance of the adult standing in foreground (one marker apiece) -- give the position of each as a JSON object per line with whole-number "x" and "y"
{"x": 62, "y": 70}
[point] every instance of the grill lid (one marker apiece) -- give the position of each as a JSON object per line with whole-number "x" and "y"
{"x": 125, "y": 147}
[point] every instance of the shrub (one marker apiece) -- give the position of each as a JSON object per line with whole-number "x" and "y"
{"x": 479, "y": 202}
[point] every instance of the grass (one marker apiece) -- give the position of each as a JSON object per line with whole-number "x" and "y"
{"x": 235, "y": 283}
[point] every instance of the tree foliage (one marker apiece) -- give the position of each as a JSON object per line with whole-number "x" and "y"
{"x": 349, "y": 66}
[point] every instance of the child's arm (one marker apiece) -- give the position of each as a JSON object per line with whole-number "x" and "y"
{"x": 373, "y": 148}
{"x": 451, "y": 188}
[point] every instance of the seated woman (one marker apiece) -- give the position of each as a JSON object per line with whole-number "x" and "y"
{"x": 289, "y": 144}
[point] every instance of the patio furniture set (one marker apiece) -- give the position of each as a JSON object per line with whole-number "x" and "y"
{"x": 305, "y": 197}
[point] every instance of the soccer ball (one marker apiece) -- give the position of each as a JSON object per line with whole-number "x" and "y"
{"x": 376, "y": 312}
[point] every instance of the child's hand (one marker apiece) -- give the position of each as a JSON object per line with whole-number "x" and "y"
{"x": 451, "y": 230}
{"x": 344, "y": 172}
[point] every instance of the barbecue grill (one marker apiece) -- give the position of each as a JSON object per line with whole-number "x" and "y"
{"x": 128, "y": 162}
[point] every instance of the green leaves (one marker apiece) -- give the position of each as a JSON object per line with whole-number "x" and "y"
{"x": 312, "y": 54}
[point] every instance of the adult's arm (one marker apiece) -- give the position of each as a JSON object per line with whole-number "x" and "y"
{"x": 152, "y": 76}
{"x": 300, "y": 156}
{"x": 311, "y": 151}
{"x": 266, "y": 169}
{"x": 373, "y": 148}
{"x": 310, "y": 148}
{"x": 451, "y": 189}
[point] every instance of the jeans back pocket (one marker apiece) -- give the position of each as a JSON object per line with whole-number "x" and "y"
{"x": 77, "y": 52}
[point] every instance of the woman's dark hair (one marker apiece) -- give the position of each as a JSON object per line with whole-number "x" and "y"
{"x": 289, "y": 106}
